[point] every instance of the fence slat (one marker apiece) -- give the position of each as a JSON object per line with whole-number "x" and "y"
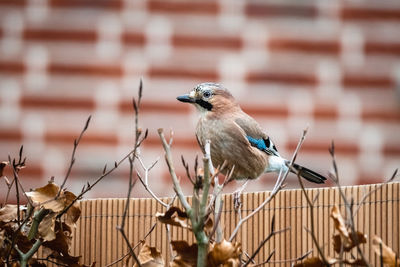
{"x": 97, "y": 239}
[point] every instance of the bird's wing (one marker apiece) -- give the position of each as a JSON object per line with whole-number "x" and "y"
{"x": 255, "y": 135}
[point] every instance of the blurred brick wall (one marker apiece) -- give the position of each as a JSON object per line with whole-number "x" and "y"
{"x": 331, "y": 65}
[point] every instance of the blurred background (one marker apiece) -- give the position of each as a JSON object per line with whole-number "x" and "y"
{"x": 333, "y": 66}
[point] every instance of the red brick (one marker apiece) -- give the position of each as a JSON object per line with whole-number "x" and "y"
{"x": 180, "y": 73}
{"x": 392, "y": 150}
{"x": 133, "y": 38}
{"x": 87, "y": 69}
{"x": 306, "y": 46}
{"x": 32, "y": 171}
{"x": 114, "y": 4}
{"x": 184, "y": 7}
{"x": 326, "y": 113}
{"x": 178, "y": 142}
{"x": 382, "y": 48}
{"x": 204, "y": 42}
{"x": 289, "y": 78}
{"x": 149, "y": 106}
{"x": 60, "y": 35}
{"x": 266, "y": 111}
{"x": 268, "y": 10}
{"x": 365, "y": 80}
{"x": 323, "y": 147}
{"x": 363, "y": 13}
{"x": 382, "y": 115}
{"x": 56, "y": 103}
{"x": 19, "y": 3}
{"x": 88, "y": 139}
{"x": 9, "y": 135}
{"x": 12, "y": 67}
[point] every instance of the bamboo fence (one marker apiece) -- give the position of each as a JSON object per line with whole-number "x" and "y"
{"x": 97, "y": 240}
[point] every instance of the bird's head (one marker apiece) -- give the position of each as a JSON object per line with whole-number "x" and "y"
{"x": 209, "y": 97}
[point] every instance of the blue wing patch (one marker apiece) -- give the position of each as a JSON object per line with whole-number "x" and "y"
{"x": 259, "y": 143}
{"x": 265, "y": 145}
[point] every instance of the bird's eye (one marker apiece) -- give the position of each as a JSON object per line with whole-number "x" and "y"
{"x": 207, "y": 94}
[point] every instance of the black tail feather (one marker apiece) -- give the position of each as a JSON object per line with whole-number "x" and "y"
{"x": 309, "y": 175}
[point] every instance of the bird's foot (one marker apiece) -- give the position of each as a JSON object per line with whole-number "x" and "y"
{"x": 236, "y": 197}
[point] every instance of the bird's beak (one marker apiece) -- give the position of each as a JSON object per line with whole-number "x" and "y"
{"x": 186, "y": 98}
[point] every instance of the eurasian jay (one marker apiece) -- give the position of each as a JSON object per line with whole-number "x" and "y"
{"x": 235, "y": 136}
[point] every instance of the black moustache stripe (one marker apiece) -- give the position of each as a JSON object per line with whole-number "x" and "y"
{"x": 204, "y": 104}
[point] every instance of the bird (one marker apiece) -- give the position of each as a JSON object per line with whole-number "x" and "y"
{"x": 235, "y": 137}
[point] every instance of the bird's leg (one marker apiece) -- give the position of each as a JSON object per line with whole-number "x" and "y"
{"x": 236, "y": 196}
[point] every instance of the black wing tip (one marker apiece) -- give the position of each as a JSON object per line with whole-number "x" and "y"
{"x": 310, "y": 175}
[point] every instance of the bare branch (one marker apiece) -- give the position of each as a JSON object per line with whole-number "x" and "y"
{"x": 175, "y": 181}
{"x": 137, "y": 245}
{"x": 145, "y": 180}
{"x": 271, "y": 234}
{"x": 302, "y": 257}
{"x": 314, "y": 238}
{"x": 348, "y": 206}
{"x": 72, "y": 161}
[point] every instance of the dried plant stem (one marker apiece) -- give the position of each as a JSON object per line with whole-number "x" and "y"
{"x": 175, "y": 181}
{"x": 197, "y": 213}
{"x": 348, "y": 206}
{"x": 131, "y": 158}
{"x": 121, "y": 228}
{"x": 72, "y": 161}
{"x": 271, "y": 234}
{"x": 145, "y": 180}
{"x": 314, "y": 238}
{"x": 137, "y": 245}
{"x": 302, "y": 257}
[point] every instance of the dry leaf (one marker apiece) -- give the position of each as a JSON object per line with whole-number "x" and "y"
{"x": 46, "y": 227}
{"x": 74, "y": 212}
{"x": 339, "y": 222}
{"x": 45, "y": 195}
{"x": 351, "y": 262}
{"x": 224, "y": 253}
{"x": 62, "y": 242}
{"x": 310, "y": 262}
{"x": 9, "y": 212}
{"x": 173, "y": 216}
{"x": 351, "y": 243}
{"x": 186, "y": 254}
{"x": 150, "y": 257}
{"x": 208, "y": 225}
{"x": 388, "y": 256}
{"x": 345, "y": 237}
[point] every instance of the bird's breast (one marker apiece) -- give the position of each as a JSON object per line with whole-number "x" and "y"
{"x": 228, "y": 143}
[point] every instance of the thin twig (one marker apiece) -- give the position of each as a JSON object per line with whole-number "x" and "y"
{"x": 175, "y": 181}
{"x": 72, "y": 161}
{"x": 145, "y": 180}
{"x": 314, "y": 238}
{"x": 348, "y": 206}
{"x": 267, "y": 260}
{"x": 302, "y": 257}
{"x": 121, "y": 228}
{"x": 271, "y": 234}
{"x": 137, "y": 245}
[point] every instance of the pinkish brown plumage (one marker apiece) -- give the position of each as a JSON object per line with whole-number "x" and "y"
{"x": 235, "y": 136}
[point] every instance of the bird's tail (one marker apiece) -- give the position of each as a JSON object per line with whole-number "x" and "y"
{"x": 308, "y": 174}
